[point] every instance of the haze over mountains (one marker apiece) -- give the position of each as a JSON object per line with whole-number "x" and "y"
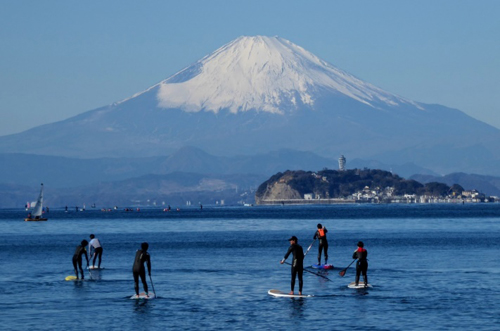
{"x": 258, "y": 95}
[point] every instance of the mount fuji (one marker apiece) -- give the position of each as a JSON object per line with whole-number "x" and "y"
{"x": 260, "y": 94}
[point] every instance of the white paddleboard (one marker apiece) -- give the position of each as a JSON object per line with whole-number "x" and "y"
{"x": 280, "y": 294}
{"x": 90, "y": 267}
{"x": 143, "y": 296}
{"x": 360, "y": 285}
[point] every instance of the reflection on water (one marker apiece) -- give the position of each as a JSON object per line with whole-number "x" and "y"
{"x": 141, "y": 306}
{"x": 296, "y": 307}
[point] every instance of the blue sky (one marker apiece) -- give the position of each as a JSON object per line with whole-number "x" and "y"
{"x": 61, "y": 58}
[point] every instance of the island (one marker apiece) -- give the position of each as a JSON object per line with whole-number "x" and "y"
{"x": 357, "y": 186}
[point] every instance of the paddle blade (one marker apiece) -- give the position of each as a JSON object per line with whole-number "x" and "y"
{"x": 342, "y": 273}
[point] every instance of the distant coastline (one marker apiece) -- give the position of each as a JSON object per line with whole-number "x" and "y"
{"x": 271, "y": 202}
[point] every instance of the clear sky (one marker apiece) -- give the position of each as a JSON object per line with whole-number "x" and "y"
{"x": 61, "y": 58}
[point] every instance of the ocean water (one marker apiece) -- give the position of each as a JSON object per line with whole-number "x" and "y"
{"x": 432, "y": 267}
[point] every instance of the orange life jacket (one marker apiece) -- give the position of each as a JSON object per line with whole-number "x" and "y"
{"x": 321, "y": 233}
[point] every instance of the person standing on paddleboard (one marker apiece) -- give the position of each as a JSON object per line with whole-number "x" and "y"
{"x": 297, "y": 264}
{"x": 362, "y": 264}
{"x": 77, "y": 257}
{"x": 141, "y": 257}
{"x": 95, "y": 249}
{"x": 323, "y": 243}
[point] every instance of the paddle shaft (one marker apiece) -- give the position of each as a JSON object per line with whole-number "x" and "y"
{"x": 151, "y": 279}
{"x": 88, "y": 267}
{"x": 342, "y": 273}
{"x": 309, "y": 248}
{"x": 312, "y": 272}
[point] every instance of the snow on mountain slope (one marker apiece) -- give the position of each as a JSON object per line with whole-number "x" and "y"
{"x": 271, "y": 84}
{"x": 268, "y": 74}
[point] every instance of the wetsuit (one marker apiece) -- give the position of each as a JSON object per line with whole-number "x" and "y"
{"x": 362, "y": 264}
{"x": 139, "y": 270}
{"x": 323, "y": 243}
{"x": 297, "y": 264}
{"x": 77, "y": 259}
{"x": 96, "y": 249}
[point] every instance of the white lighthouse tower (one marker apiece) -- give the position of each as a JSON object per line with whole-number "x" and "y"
{"x": 342, "y": 163}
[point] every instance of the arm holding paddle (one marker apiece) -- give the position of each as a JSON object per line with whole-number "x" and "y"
{"x": 86, "y": 257}
{"x": 287, "y": 254}
{"x": 342, "y": 272}
{"x": 89, "y": 249}
{"x": 355, "y": 257}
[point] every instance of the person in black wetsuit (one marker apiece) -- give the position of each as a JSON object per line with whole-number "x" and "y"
{"x": 362, "y": 264}
{"x": 77, "y": 257}
{"x": 323, "y": 243}
{"x": 297, "y": 263}
{"x": 141, "y": 257}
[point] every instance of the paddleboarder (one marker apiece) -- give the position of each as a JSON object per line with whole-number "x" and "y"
{"x": 141, "y": 257}
{"x": 77, "y": 257}
{"x": 362, "y": 264}
{"x": 95, "y": 249}
{"x": 323, "y": 243}
{"x": 298, "y": 263}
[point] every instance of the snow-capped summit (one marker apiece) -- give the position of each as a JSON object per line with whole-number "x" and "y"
{"x": 262, "y": 73}
{"x": 263, "y": 94}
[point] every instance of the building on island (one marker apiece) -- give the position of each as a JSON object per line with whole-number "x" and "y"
{"x": 342, "y": 163}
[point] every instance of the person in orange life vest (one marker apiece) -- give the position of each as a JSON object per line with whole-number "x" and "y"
{"x": 323, "y": 243}
{"x": 362, "y": 264}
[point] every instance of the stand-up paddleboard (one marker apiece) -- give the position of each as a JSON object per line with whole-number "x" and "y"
{"x": 280, "y": 294}
{"x": 144, "y": 296}
{"x": 360, "y": 285}
{"x": 71, "y": 278}
{"x": 322, "y": 266}
{"x": 91, "y": 267}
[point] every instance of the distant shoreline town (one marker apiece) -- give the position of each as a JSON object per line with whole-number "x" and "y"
{"x": 368, "y": 196}
{"x": 359, "y": 186}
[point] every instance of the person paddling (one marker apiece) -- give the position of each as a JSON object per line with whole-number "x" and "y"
{"x": 95, "y": 249}
{"x": 323, "y": 243}
{"x": 362, "y": 264}
{"x": 138, "y": 270}
{"x": 77, "y": 257}
{"x": 297, "y": 264}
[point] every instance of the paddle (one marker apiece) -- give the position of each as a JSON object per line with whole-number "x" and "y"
{"x": 151, "y": 279}
{"x": 342, "y": 273}
{"x": 312, "y": 272}
{"x": 90, "y": 272}
{"x": 309, "y": 248}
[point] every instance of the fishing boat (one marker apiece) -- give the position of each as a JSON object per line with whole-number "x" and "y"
{"x": 36, "y": 215}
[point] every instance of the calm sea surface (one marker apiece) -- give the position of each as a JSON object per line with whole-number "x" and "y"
{"x": 432, "y": 267}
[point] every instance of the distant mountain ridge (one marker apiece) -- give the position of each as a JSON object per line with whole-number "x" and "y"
{"x": 59, "y": 172}
{"x": 188, "y": 174}
{"x": 175, "y": 189}
{"x": 260, "y": 94}
{"x": 489, "y": 185}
